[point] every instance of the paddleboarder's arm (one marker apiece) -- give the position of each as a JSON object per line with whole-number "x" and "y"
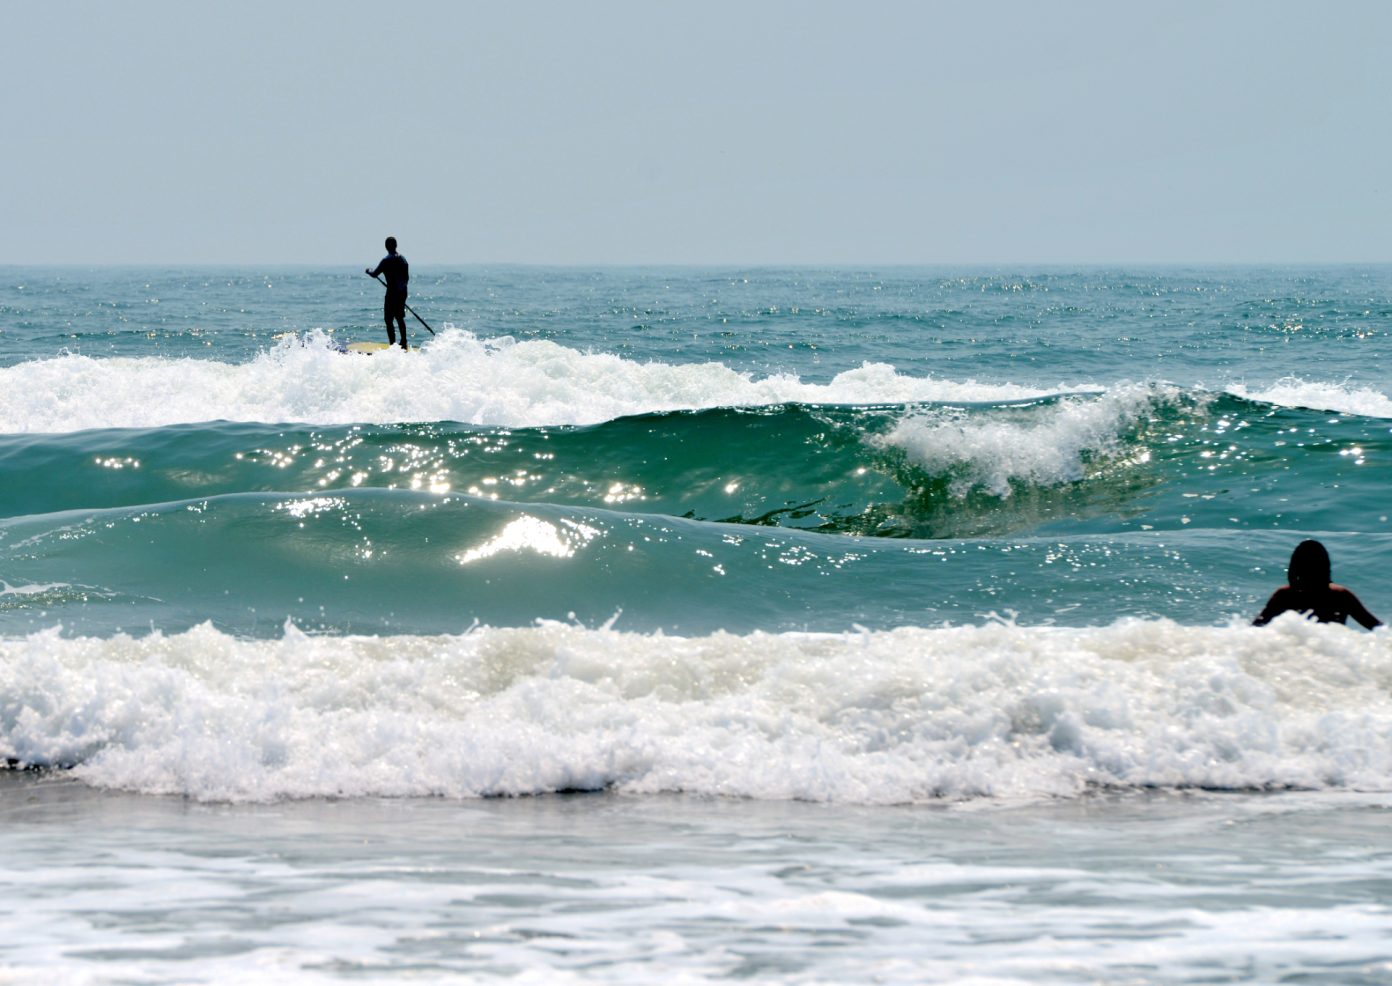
{"x": 1355, "y": 608}
{"x": 397, "y": 270}
{"x": 1275, "y": 606}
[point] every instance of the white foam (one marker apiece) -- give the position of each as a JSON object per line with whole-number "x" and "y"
{"x": 30, "y": 590}
{"x": 454, "y": 377}
{"x": 1296, "y": 392}
{"x": 1041, "y": 446}
{"x": 883, "y": 717}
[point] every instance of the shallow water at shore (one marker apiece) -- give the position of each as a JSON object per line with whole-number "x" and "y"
{"x": 1165, "y": 888}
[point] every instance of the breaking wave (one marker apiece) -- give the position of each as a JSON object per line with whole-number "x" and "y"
{"x": 865, "y": 718}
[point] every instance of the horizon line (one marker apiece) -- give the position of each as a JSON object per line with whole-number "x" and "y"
{"x": 710, "y": 265}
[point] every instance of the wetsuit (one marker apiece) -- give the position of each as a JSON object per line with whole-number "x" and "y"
{"x": 1334, "y": 605}
{"x": 398, "y": 274}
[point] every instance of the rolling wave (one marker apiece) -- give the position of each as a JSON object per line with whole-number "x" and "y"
{"x": 1133, "y": 457}
{"x": 403, "y": 561}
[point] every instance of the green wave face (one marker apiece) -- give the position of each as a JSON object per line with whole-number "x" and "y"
{"x": 1132, "y": 459}
{"x": 401, "y": 562}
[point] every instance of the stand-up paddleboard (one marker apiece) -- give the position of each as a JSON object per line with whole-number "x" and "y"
{"x": 372, "y": 347}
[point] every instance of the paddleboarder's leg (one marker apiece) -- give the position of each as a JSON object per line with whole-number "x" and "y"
{"x": 395, "y": 308}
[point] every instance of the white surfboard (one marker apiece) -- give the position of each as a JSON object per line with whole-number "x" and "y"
{"x": 371, "y": 347}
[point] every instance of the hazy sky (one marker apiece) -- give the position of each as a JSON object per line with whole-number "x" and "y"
{"x": 697, "y": 132}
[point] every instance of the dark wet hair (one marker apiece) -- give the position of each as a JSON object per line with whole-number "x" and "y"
{"x": 391, "y": 244}
{"x": 1309, "y": 566}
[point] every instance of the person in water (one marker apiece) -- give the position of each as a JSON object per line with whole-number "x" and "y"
{"x": 1310, "y": 592}
{"x": 398, "y": 273}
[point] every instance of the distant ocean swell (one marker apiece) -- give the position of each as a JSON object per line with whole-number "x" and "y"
{"x": 867, "y": 718}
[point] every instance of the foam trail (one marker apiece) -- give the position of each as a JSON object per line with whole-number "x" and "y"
{"x": 1296, "y": 392}
{"x": 884, "y": 717}
{"x": 455, "y": 377}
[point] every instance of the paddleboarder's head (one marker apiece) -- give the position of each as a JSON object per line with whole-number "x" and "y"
{"x": 391, "y": 244}
{"x": 1309, "y": 566}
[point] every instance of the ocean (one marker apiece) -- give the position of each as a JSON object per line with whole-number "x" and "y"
{"x": 784, "y": 625}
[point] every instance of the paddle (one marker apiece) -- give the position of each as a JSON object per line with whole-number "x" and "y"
{"x": 379, "y": 280}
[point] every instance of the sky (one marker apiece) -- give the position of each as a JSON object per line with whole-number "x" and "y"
{"x": 760, "y": 132}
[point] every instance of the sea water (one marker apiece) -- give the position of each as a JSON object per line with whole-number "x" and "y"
{"x": 791, "y": 625}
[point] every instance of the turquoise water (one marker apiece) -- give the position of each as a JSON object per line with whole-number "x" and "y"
{"x": 1081, "y": 445}
{"x": 842, "y": 551}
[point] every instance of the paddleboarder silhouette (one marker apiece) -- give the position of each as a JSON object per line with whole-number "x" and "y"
{"x": 398, "y": 276}
{"x": 1310, "y": 592}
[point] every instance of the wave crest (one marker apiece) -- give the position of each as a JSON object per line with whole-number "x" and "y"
{"x": 1315, "y": 395}
{"x": 1028, "y": 445}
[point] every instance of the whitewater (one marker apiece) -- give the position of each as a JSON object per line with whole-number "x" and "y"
{"x": 902, "y": 716}
{"x": 493, "y": 381}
